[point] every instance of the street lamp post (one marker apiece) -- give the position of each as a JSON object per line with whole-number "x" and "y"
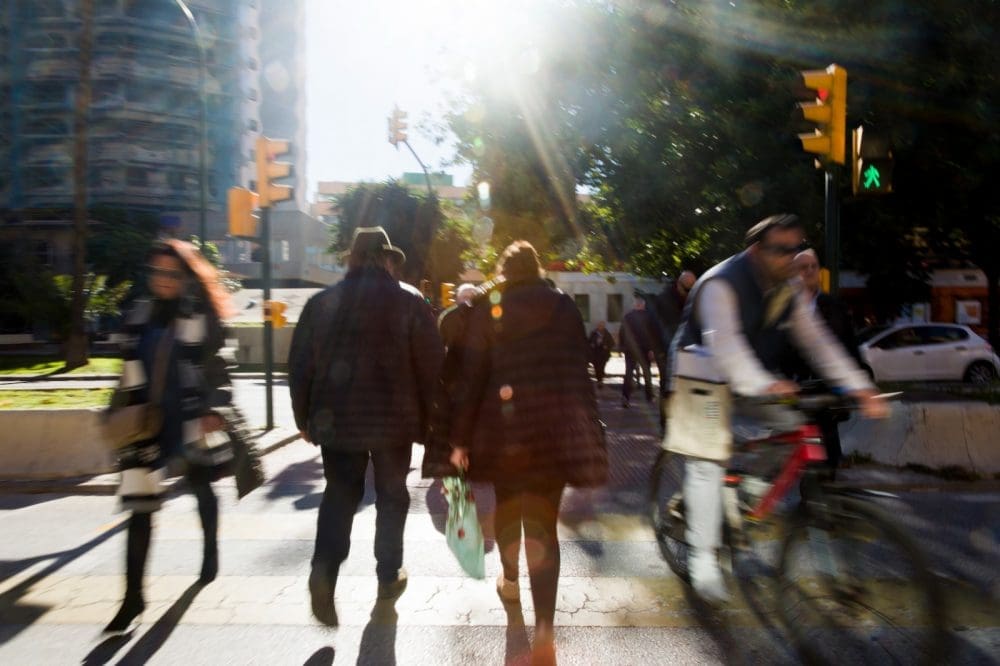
{"x": 203, "y": 121}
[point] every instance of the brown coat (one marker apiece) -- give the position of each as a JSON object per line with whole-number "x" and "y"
{"x": 529, "y": 412}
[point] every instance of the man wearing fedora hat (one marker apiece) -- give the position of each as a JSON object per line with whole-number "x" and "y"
{"x": 363, "y": 364}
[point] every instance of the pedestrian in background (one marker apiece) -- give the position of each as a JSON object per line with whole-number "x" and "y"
{"x": 601, "y": 344}
{"x": 527, "y": 422}
{"x": 667, "y": 307}
{"x": 172, "y": 337}
{"x": 362, "y": 369}
{"x": 838, "y": 319}
{"x": 642, "y": 345}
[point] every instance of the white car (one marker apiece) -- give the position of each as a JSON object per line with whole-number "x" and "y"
{"x": 928, "y": 352}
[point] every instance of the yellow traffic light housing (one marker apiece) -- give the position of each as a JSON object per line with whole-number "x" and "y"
{"x": 274, "y": 312}
{"x": 447, "y": 294}
{"x": 268, "y": 170}
{"x": 397, "y": 127}
{"x": 829, "y": 111}
{"x": 241, "y": 205}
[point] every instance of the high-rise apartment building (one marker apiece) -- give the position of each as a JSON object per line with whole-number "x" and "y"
{"x": 144, "y": 122}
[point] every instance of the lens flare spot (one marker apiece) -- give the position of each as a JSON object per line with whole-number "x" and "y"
{"x": 507, "y": 410}
{"x": 497, "y": 312}
{"x": 495, "y": 297}
{"x": 506, "y": 392}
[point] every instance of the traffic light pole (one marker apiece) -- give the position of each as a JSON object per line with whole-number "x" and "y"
{"x": 832, "y": 228}
{"x": 265, "y": 238}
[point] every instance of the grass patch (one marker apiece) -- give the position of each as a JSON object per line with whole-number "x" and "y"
{"x": 54, "y": 399}
{"x": 46, "y": 365}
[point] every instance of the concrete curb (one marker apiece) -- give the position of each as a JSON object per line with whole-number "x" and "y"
{"x": 107, "y": 484}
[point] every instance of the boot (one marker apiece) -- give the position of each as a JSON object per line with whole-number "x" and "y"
{"x": 208, "y": 511}
{"x": 139, "y": 532}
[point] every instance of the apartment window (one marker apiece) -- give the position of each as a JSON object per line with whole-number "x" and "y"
{"x": 252, "y": 64}
{"x": 43, "y": 253}
{"x": 253, "y": 125}
{"x": 252, "y": 94}
{"x": 136, "y": 177}
{"x": 583, "y": 305}
{"x": 615, "y": 309}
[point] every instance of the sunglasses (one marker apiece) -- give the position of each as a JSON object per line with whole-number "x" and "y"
{"x": 782, "y": 250}
{"x": 169, "y": 273}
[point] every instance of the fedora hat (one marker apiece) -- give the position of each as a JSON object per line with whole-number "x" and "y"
{"x": 371, "y": 240}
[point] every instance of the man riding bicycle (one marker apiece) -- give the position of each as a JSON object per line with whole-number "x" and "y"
{"x": 746, "y": 313}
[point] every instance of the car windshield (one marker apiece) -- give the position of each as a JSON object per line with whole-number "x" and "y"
{"x": 866, "y": 334}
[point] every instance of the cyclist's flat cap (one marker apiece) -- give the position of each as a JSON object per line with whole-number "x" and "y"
{"x": 780, "y": 221}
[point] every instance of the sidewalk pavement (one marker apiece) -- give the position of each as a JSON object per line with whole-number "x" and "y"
{"x": 107, "y": 484}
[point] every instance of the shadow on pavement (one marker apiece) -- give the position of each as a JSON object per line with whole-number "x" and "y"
{"x": 378, "y": 642}
{"x": 157, "y": 635}
{"x": 321, "y": 657}
{"x": 19, "y": 616}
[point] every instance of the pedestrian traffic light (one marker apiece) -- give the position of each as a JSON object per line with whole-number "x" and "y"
{"x": 871, "y": 162}
{"x": 397, "y": 127}
{"x": 274, "y": 312}
{"x": 242, "y": 203}
{"x": 268, "y": 169}
{"x": 829, "y": 111}
{"x": 447, "y": 294}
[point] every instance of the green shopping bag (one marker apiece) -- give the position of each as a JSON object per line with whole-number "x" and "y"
{"x": 463, "y": 533}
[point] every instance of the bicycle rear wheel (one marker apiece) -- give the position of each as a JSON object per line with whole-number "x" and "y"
{"x": 854, "y": 588}
{"x": 666, "y": 510}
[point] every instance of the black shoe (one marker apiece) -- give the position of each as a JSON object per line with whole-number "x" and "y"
{"x": 321, "y": 596}
{"x": 394, "y": 588}
{"x": 127, "y": 618}
{"x": 625, "y": 403}
{"x": 209, "y": 567}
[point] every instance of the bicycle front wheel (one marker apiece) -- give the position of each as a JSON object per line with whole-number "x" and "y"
{"x": 854, "y": 588}
{"x": 666, "y": 509}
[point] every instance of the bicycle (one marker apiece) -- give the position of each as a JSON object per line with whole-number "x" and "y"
{"x": 851, "y": 585}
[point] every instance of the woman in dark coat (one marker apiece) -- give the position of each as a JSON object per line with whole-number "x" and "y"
{"x": 528, "y": 422}
{"x": 171, "y": 341}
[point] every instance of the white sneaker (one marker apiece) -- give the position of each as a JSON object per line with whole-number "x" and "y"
{"x": 706, "y": 577}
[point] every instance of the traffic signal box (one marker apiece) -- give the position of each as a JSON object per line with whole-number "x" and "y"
{"x": 274, "y": 312}
{"x": 268, "y": 169}
{"x": 871, "y": 162}
{"x": 397, "y": 127}
{"x": 829, "y": 111}
{"x": 242, "y": 204}
{"x": 447, "y": 294}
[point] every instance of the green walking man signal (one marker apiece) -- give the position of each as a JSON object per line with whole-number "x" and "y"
{"x": 871, "y": 162}
{"x": 871, "y": 178}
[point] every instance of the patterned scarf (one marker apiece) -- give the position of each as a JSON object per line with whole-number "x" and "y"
{"x": 197, "y": 336}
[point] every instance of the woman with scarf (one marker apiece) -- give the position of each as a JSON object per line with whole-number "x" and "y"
{"x": 172, "y": 337}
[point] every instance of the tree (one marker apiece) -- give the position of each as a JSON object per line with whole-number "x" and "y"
{"x": 411, "y": 219}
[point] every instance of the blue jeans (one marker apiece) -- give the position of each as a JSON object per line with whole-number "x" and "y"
{"x": 345, "y": 488}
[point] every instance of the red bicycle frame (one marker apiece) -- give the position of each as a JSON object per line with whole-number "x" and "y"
{"x": 808, "y": 449}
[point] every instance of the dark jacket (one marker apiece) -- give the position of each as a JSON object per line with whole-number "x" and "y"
{"x": 363, "y": 364}
{"x": 667, "y": 307}
{"x": 762, "y": 314}
{"x": 838, "y": 319}
{"x": 601, "y": 344}
{"x": 437, "y": 449}
{"x": 529, "y": 412}
{"x": 640, "y": 334}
